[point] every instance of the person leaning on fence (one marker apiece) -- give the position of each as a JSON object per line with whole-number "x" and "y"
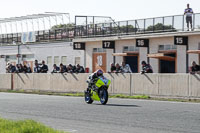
{"x": 19, "y": 68}
{"x": 55, "y": 69}
{"x": 188, "y": 12}
{"x": 112, "y": 68}
{"x": 63, "y": 68}
{"x": 79, "y": 69}
{"x": 194, "y": 68}
{"x": 44, "y": 68}
{"x": 37, "y": 68}
{"x": 118, "y": 68}
{"x": 29, "y": 70}
{"x": 126, "y": 68}
{"x": 11, "y": 68}
{"x": 146, "y": 68}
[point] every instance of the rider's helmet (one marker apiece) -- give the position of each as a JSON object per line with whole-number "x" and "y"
{"x": 99, "y": 72}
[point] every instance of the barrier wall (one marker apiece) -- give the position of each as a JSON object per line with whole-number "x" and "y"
{"x": 174, "y": 85}
{"x": 5, "y": 81}
{"x": 194, "y": 85}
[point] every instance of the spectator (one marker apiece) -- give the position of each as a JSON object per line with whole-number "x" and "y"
{"x": 7, "y": 67}
{"x": 55, "y": 69}
{"x": 25, "y": 68}
{"x": 146, "y": 68}
{"x": 118, "y": 68}
{"x": 29, "y": 69}
{"x": 37, "y": 68}
{"x": 188, "y": 12}
{"x": 80, "y": 69}
{"x": 44, "y": 68}
{"x": 63, "y": 68}
{"x": 195, "y": 68}
{"x": 112, "y": 68}
{"x": 11, "y": 68}
{"x": 126, "y": 68}
{"x": 70, "y": 69}
{"x": 19, "y": 68}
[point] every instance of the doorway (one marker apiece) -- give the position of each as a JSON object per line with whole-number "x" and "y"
{"x": 133, "y": 62}
{"x": 99, "y": 62}
{"x": 168, "y": 66}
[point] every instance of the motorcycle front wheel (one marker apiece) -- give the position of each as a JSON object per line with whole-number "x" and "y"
{"x": 88, "y": 98}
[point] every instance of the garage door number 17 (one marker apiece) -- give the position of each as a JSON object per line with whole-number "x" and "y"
{"x": 107, "y": 44}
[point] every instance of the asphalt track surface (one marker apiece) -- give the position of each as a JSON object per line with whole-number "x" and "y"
{"x": 72, "y": 114}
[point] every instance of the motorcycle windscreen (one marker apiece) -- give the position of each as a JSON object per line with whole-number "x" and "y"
{"x": 102, "y": 81}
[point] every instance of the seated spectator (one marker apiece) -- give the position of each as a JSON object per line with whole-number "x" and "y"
{"x": 63, "y": 68}
{"x": 37, "y": 68}
{"x": 126, "y": 68}
{"x": 79, "y": 69}
{"x": 112, "y": 68}
{"x": 44, "y": 68}
{"x": 55, "y": 69}
{"x": 118, "y": 68}
{"x": 146, "y": 68}
{"x": 194, "y": 68}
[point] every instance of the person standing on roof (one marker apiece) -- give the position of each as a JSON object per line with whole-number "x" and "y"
{"x": 188, "y": 12}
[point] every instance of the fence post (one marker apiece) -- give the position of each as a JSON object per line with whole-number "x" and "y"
{"x": 12, "y": 81}
{"x": 130, "y": 84}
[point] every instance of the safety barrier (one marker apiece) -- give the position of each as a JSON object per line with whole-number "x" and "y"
{"x": 173, "y": 85}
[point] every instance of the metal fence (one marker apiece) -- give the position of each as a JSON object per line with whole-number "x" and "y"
{"x": 141, "y": 26}
{"x": 41, "y": 36}
{"x": 175, "y": 23}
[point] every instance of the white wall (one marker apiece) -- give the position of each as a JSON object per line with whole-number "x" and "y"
{"x": 89, "y": 52}
{"x": 42, "y": 51}
{"x": 153, "y": 48}
{"x": 181, "y": 59}
{"x": 193, "y": 45}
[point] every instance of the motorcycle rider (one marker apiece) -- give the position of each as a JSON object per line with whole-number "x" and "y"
{"x": 94, "y": 77}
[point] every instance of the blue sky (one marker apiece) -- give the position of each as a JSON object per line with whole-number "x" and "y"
{"x": 117, "y": 9}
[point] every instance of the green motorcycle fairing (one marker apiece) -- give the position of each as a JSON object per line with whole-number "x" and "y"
{"x": 100, "y": 82}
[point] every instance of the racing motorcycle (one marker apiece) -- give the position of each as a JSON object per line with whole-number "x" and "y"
{"x": 97, "y": 90}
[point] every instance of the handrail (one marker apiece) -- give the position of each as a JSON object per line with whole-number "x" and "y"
{"x": 173, "y": 23}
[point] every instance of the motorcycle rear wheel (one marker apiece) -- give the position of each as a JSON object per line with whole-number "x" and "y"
{"x": 103, "y": 95}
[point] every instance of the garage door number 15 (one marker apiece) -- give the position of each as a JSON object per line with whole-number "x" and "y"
{"x": 179, "y": 40}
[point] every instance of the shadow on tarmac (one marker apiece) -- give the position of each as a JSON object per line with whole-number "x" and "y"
{"x": 120, "y": 105}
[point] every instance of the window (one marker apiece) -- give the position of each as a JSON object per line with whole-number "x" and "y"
{"x": 99, "y": 50}
{"x": 49, "y": 60}
{"x": 130, "y": 49}
{"x": 167, "y": 47}
{"x": 77, "y": 60}
{"x": 64, "y": 60}
{"x": 56, "y": 60}
{"x": 27, "y": 57}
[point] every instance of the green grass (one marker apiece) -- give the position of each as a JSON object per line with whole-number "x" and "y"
{"x": 130, "y": 97}
{"x": 26, "y": 126}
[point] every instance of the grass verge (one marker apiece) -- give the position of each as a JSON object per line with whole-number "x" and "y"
{"x": 26, "y": 126}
